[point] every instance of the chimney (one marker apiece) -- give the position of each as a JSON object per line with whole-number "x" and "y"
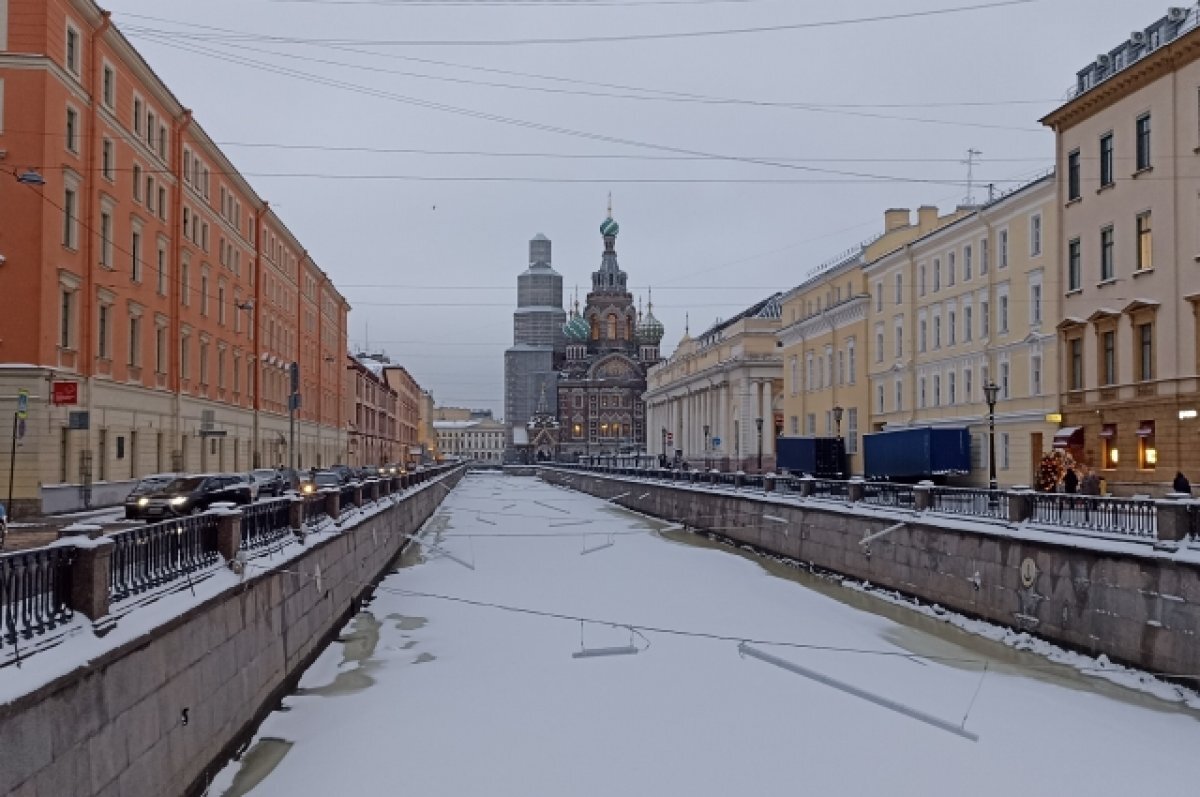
{"x": 927, "y": 216}
{"x": 895, "y": 219}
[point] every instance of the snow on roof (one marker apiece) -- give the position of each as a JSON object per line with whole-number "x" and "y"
{"x": 520, "y": 436}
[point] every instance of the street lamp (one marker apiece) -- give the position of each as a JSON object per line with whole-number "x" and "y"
{"x": 664, "y": 445}
{"x": 707, "y": 429}
{"x": 990, "y": 392}
{"x": 758, "y": 425}
{"x": 837, "y": 420}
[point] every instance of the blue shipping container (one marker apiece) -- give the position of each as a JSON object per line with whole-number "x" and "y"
{"x": 923, "y": 453}
{"x": 823, "y": 457}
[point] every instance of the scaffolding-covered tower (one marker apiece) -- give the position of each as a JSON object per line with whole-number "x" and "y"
{"x": 531, "y": 364}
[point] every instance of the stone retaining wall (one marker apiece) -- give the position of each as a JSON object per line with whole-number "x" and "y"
{"x": 157, "y": 715}
{"x": 1137, "y": 604}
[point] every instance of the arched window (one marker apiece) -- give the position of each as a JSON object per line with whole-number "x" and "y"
{"x": 595, "y": 329}
{"x": 612, "y": 326}
{"x": 628, "y": 329}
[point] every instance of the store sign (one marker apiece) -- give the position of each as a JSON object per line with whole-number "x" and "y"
{"x": 64, "y": 393}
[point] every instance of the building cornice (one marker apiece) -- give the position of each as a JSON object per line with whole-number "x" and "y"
{"x": 852, "y": 311}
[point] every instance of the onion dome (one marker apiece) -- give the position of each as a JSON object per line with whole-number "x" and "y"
{"x": 609, "y": 228}
{"x": 577, "y": 329}
{"x": 650, "y": 330}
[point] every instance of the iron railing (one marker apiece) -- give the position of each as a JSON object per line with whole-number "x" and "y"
{"x": 969, "y": 501}
{"x": 148, "y": 557}
{"x": 35, "y": 591}
{"x": 346, "y": 502}
{"x": 266, "y": 523}
{"x": 314, "y": 509}
{"x": 1134, "y": 517}
{"x": 831, "y": 488}
{"x": 888, "y": 494}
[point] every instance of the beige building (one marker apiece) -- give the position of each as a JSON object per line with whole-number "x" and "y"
{"x": 825, "y": 342}
{"x": 1129, "y": 188}
{"x": 705, "y": 402}
{"x": 373, "y": 432}
{"x": 959, "y": 307}
{"x": 426, "y": 436}
{"x": 481, "y": 440}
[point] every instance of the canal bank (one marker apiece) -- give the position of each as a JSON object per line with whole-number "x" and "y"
{"x": 1135, "y": 604}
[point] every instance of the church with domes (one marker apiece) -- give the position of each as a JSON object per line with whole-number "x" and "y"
{"x": 609, "y": 346}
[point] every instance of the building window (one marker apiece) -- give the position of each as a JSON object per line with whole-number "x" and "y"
{"x": 73, "y": 130}
{"x": 204, "y": 294}
{"x": 203, "y": 363}
{"x": 1073, "y": 191}
{"x": 1002, "y": 245}
{"x": 1108, "y": 440}
{"x": 984, "y": 319}
{"x": 1142, "y": 133}
{"x": 107, "y": 163}
{"x": 879, "y": 296}
{"x": 162, "y": 270}
{"x": 922, "y": 336}
{"x": 221, "y": 305}
{"x": 1002, "y": 310}
{"x": 921, "y": 285}
{"x": 1145, "y": 334}
{"x": 1076, "y": 347}
{"x": 1145, "y": 251}
{"x": 899, "y": 395}
{"x": 104, "y": 322}
{"x": 1035, "y": 235}
{"x": 1108, "y": 354}
{"x": 951, "y": 327}
{"x": 109, "y": 87}
{"x": 852, "y": 430}
{"x": 185, "y": 285}
{"x": 879, "y": 399}
{"x": 879, "y": 343}
{"x": 1107, "y": 267}
{"x": 951, "y": 388}
{"x": 135, "y": 255}
{"x": 1005, "y": 382}
{"x": 1035, "y": 375}
{"x": 137, "y": 115}
{"x": 1106, "y": 160}
{"x": 967, "y": 262}
{"x": 921, "y": 392}
{"x": 852, "y": 363}
{"x": 70, "y": 237}
{"x": 968, "y": 320}
{"x": 1005, "y": 459}
{"x": 899, "y": 337}
{"x": 160, "y": 350}
{"x": 135, "y": 341}
{"x": 937, "y": 274}
{"x": 795, "y": 373}
{"x": 106, "y": 233}
{"x": 1035, "y": 304}
{"x": 221, "y": 369}
{"x": 72, "y": 54}
{"x": 794, "y": 425}
{"x": 951, "y": 268}
{"x": 937, "y": 332}
{"x": 1074, "y": 266}
{"x": 967, "y": 374}
{"x": 66, "y": 318}
{"x": 137, "y": 183}
{"x": 811, "y": 422}
{"x": 1147, "y": 451}
{"x": 899, "y": 289}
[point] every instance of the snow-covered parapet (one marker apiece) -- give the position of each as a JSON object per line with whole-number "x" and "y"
{"x": 88, "y": 530}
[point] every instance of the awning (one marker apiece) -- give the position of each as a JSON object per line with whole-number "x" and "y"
{"x": 1068, "y": 436}
{"x": 1108, "y": 431}
{"x": 1146, "y": 429}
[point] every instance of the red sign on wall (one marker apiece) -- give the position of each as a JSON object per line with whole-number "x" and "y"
{"x": 64, "y": 392}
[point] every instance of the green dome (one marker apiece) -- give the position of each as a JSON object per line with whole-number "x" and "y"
{"x": 609, "y": 227}
{"x": 651, "y": 330}
{"x": 577, "y": 329}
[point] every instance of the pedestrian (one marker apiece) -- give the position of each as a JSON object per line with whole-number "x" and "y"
{"x": 1090, "y": 484}
{"x": 1071, "y": 481}
{"x": 1181, "y": 484}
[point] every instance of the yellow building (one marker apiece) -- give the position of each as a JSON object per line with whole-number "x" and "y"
{"x": 824, "y": 338}
{"x": 714, "y": 402}
{"x": 971, "y": 303}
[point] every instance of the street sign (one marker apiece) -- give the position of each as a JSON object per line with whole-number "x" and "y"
{"x": 213, "y": 433}
{"x": 79, "y": 419}
{"x": 294, "y": 401}
{"x": 22, "y": 403}
{"x": 294, "y": 371}
{"x": 20, "y": 428}
{"x": 670, "y": 438}
{"x": 62, "y": 393}
{"x": 716, "y": 442}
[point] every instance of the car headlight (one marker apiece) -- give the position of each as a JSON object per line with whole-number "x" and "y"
{"x": 178, "y": 500}
{"x": 143, "y": 501}
{"x": 308, "y": 488}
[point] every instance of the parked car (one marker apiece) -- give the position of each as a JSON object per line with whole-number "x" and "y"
{"x": 313, "y": 482}
{"x": 190, "y": 495}
{"x": 267, "y": 482}
{"x": 345, "y": 473}
{"x": 136, "y": 501}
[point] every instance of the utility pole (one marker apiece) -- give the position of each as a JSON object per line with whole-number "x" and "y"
{"x": 293, "y": 405}
{"x": 972, "y": 154}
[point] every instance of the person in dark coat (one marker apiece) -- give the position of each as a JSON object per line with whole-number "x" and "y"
{"x": 1090, "y": 484}
{"x": 1181, "y": 484}
{"x": 1071, "y": 481}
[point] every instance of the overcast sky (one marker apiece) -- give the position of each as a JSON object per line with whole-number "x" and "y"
{"x": 312, "y": 99}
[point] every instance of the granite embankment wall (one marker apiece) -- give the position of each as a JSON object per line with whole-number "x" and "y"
{"x": 1135, "y": 603}
{"x": 153, "y": 717}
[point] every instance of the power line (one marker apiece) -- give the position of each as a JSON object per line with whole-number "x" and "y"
{"x": 894, "y": 17}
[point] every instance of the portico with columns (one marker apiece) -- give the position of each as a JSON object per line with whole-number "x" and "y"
{"x": 710, "y": 394}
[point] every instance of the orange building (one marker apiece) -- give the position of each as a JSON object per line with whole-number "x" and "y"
{"x": 141, "y": 268}
{"x": 374, "y": 437}
{"x": 408, "y": 413}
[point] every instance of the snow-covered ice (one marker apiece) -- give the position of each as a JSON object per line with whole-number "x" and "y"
{"x": 449, "y": 695}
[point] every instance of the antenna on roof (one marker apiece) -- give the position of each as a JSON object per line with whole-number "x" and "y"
{"x": 972, "y": 154}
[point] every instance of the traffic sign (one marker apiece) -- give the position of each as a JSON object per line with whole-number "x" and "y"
{"x": 20, "y": 428}
{"x": 670, "y": 438}
{"x": 716, "y": 442}
{"x": 22, "y": 403}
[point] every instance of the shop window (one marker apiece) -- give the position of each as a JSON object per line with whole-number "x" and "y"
{"x": 1108, "y": 445}
{"x": 1147, "y": 451}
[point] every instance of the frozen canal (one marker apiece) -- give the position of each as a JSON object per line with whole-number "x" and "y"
{"x": 450, "y": 695}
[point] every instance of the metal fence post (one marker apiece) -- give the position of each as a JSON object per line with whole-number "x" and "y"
{"x": 1174, "y": 519}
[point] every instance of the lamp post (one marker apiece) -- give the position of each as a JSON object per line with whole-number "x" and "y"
{"x": 990, "y": 391}
{"x": 758, "y": 422}
{"x": 664, "y": 444}
{"x": 838, "y": 411}
{"x": 707, "y": 429}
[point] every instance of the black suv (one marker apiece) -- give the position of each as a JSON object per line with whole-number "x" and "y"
{"x": 137, "y": 500}
{"x": 190, "y": 495}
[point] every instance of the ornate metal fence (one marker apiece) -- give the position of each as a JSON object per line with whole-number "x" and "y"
{"x": 1128, "y": 516}
{"x": 831, "y": 488}
{"x": 266, "y": 523}
{"x": 888, "y": 494}
{"x": 314, "y": 509}
{"x": 35, "y": 589}
{"x": 969, "y": 501}
{"x": 148, "y": 557}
